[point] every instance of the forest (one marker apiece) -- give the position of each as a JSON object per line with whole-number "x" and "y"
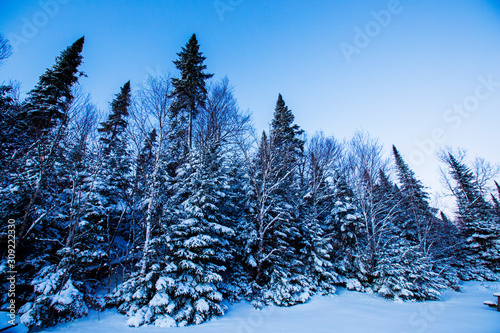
{"x": 168, "y": 205}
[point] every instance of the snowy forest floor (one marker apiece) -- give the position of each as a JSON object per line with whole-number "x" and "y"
{"x": 345, "y": 311}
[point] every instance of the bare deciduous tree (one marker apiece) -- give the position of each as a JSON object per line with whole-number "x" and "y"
{"x": 5, "y": 48}
{"x": 221, "y": 121}
{"x": 485, "y": 172}
{"x": 151, "y": 112}
{"x": 362, "y": 167}
{"x": 265, "y": 180}
{"x": 323, "y": 159}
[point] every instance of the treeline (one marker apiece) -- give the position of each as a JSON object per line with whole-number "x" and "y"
{"x": 172, "y": 206}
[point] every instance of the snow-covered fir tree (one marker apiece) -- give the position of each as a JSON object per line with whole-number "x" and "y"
{"x": 419, "y": 220}
{"x": 185, "y": 288}
{"x": 108, "y": 187}
{"x": 183, "y": 268}
{"x": 352, "y": 252}
{"x": 478, "y": 224}
{"x": 200, "y": 241}
{"x": 148, "y": 242}
{"x": 278, "y": 273}
{"x": 56, "y": 180}
{"x": 404, "y": 272}
{"x": 404, "y": 266}
{"x": 43, "y": 120}
{"x": 11, "y": 141}
{"x": 317, "y": 227}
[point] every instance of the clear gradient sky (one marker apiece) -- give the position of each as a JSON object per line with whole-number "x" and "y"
{"x": 417, "y": 74}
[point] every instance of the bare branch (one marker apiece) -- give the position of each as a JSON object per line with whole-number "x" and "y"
{"x": 5, "y": 48}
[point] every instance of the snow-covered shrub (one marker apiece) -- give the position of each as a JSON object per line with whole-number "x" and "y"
{"x": 162, "y": 299}
{"x": 322, "y": 273}
{"x": 134, "y": 294}
{"x": 354, "y": 284}
{"x": 284, "y": 290}
{"x": 356, "y": 267}
{"x": 405, "y": 273}
{"x": 58, "y": 299}
{"x": 468, "y": 272}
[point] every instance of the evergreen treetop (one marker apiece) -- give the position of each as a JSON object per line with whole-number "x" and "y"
{"x": 50, "y": 99}
{"x": 468, "y": 192}
{"x": 410, "y": 185}
{"x": 285, "y": 134}
{"x": 420, "y": 221}
{"x": 189, "y": 90}
{"x": 116, "y": 123}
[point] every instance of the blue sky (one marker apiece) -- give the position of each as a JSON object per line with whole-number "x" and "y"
{"x": 411, "y": 73}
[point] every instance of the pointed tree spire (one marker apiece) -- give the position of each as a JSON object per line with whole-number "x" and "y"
{"x": 467, "y": 188}
{"x": 444, "y": 218}
{"x": 420, "y": 219}
{"x": 283, "y": 131}
{"x": 49, "y": 101}
{"x": 116, "y": 123}
{"x": 189, "y": 90}
{"x": 263, "y": 149}
{"x": 496, "y": 204}
{"x": 411, "y": 187}
{"x": 285, "y": 140}
{"x": 384, "y": 181}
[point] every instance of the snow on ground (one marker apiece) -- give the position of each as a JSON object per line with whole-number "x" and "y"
{"x": 346, "y": 311}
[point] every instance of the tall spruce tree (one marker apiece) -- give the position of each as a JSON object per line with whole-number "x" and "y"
{"x": 278, "y": 273}
{"x": 155, "y": 202}
{"x": 189, "y": 90}
{"x": 42, "y": 125}
{"x": 420, "y": 219}
{"x": 480, "y": 228}
{"x": 200, "y": 241}
{"x": 184, "y": 286}
{"x": 114, "y": 145}
{"x": 108, "y": 191}
{"x": 37, "y": 131}
{"x": 10, "y": 196}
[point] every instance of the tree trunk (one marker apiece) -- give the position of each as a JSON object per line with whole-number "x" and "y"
{"x": 152, "y": 198}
